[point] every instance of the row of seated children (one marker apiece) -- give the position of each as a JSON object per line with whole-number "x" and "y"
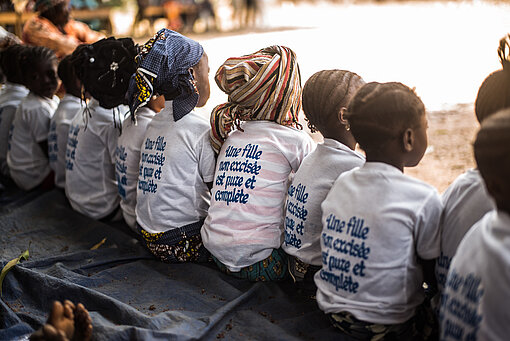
{"x": 378, "y": 230}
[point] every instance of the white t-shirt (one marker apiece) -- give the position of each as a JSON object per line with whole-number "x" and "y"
{"x": 28, "y": 164}
{"x": 311, "y": 184}
{"x": 127, "y": 161}
{"x": 10, "y": 98}
{"x": 176, "y": 162}
{"x": 57, "y": 137}
{"x": 465, "y": 202}
{"x": 90, "y": 162}
{"x": 376, "y": 223}
{"x": 474, "y": 305}
{"x": 245, "y": 220}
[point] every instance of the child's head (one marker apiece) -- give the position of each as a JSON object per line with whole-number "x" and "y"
{"x": 39, "y": 67}
{"x": 104, "y": 68}
{"x": 492, "y": 154}
{"x": 174, "y": 66}
{"x": 388, "y": 120}
{"x": 9, "y": 62}
{"x": 325, "y": 95}
{"x": 265, "y": 85}
{"x": 66, "y": 74}
{"x": 494, "y": 93}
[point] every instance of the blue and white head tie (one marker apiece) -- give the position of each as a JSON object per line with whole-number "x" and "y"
{"x": 163, "y": 68}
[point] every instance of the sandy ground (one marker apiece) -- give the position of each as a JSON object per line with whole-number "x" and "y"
{"x": 443, "y": 49}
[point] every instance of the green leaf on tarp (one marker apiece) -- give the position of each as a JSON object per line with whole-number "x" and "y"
{"x": 10, "y": 265}
{"x": 95, "y": 247}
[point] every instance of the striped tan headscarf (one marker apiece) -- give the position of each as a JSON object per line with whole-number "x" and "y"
{"x": 265, "y": 85}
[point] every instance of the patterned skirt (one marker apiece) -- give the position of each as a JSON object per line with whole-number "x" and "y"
{"x": 182, "y": 244}
{"x": 273, "y": 268}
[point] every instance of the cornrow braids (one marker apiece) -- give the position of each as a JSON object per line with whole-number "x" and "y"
{"x": 494, "y": 93}
{"x": 9, "y": 62}
{"x": 325, "y": 93}
{"x": 104, "y": 68}
{"x": 492, "y": 145}
{"x": 379, "y": 112}
{"x": 33, "y": 56}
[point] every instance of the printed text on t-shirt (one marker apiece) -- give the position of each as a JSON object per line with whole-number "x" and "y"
{"x": 296, "y": 215}
{"x": 337, "y": 269}
{"x": 233, "y": 186}
{"x": 151, "y": 163}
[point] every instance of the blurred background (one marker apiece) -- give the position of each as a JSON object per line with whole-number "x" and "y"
{"x": 444, "y": 49}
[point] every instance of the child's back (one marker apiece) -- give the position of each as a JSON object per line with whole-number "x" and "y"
{"x": 325, "y": 95}
{"x": 245, "y": 221}
{"x": 175, "y": 164}
{"x": 474, "y": 304}
{"x": 90, "y": 161}
{"x": 376, "y": 222}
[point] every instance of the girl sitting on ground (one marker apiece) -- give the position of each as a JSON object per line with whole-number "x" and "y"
{"x": 176, "y": 161}
{"x": 325, "y": 97}
{"x": 243, "y": 230}
{"x": 27, "y": 155}
{"x": 380, "y": 228}
{"x": 104, "y": 69}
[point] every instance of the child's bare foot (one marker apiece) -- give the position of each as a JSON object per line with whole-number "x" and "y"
{"x": 82, "y": 324}
{"x": 66, "y": 322}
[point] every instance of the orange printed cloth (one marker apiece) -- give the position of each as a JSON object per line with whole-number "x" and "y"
{"x": 41, "y": 32}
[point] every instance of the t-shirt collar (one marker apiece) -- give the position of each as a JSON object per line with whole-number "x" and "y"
{"x": 381, "y": 167}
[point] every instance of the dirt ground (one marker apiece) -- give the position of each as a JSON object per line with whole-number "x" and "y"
{"x": 450, "y": 153}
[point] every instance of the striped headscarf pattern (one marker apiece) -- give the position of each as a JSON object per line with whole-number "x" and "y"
{"x": 265, "y": 85}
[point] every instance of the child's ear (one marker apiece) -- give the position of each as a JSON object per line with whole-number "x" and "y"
{"x": 408, "y": 140}
{"x": 341, "y": 118}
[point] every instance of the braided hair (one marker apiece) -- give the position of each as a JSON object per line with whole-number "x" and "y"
{"x": 325, "y": 93}
{"x": 379, "y": 112}
{"x": 32, "y": 57}
{"x": 104, "y": 68}
{"x": 9, "y": 62}
{"x": 494, "y": 93}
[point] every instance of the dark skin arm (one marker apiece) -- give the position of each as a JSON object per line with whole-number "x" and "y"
{"x": 44, "y": 147}
{"x": 429, "y": 274}
{"x": 209, "y": 185}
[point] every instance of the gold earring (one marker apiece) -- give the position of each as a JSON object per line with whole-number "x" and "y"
{"x": 347, "y": 127}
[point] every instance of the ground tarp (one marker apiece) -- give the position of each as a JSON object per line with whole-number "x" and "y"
{"x": 129, "y": 294}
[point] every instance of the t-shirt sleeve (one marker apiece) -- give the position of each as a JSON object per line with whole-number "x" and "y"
{"x": 39, "y": 123}
{"x": 300, "y": 148}
{"x": 206, "y": 158}
{"x": 428, "y": 231}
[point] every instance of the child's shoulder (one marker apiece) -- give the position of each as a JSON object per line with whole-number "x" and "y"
{"x": 32, "y": 104}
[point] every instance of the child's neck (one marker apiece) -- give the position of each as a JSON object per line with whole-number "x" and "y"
{"x": 394, "y": 161}
{"x": 342, "y": 138}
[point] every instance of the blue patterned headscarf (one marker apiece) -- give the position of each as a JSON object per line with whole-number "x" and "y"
{"x": 163, "y": 69}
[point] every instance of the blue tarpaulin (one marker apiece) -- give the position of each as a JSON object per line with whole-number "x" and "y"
{"x": 130, "y": 294}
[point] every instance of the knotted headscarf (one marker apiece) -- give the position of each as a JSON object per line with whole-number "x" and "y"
{"x": 265, "y": 85}
{"x": 164, "y": 69}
